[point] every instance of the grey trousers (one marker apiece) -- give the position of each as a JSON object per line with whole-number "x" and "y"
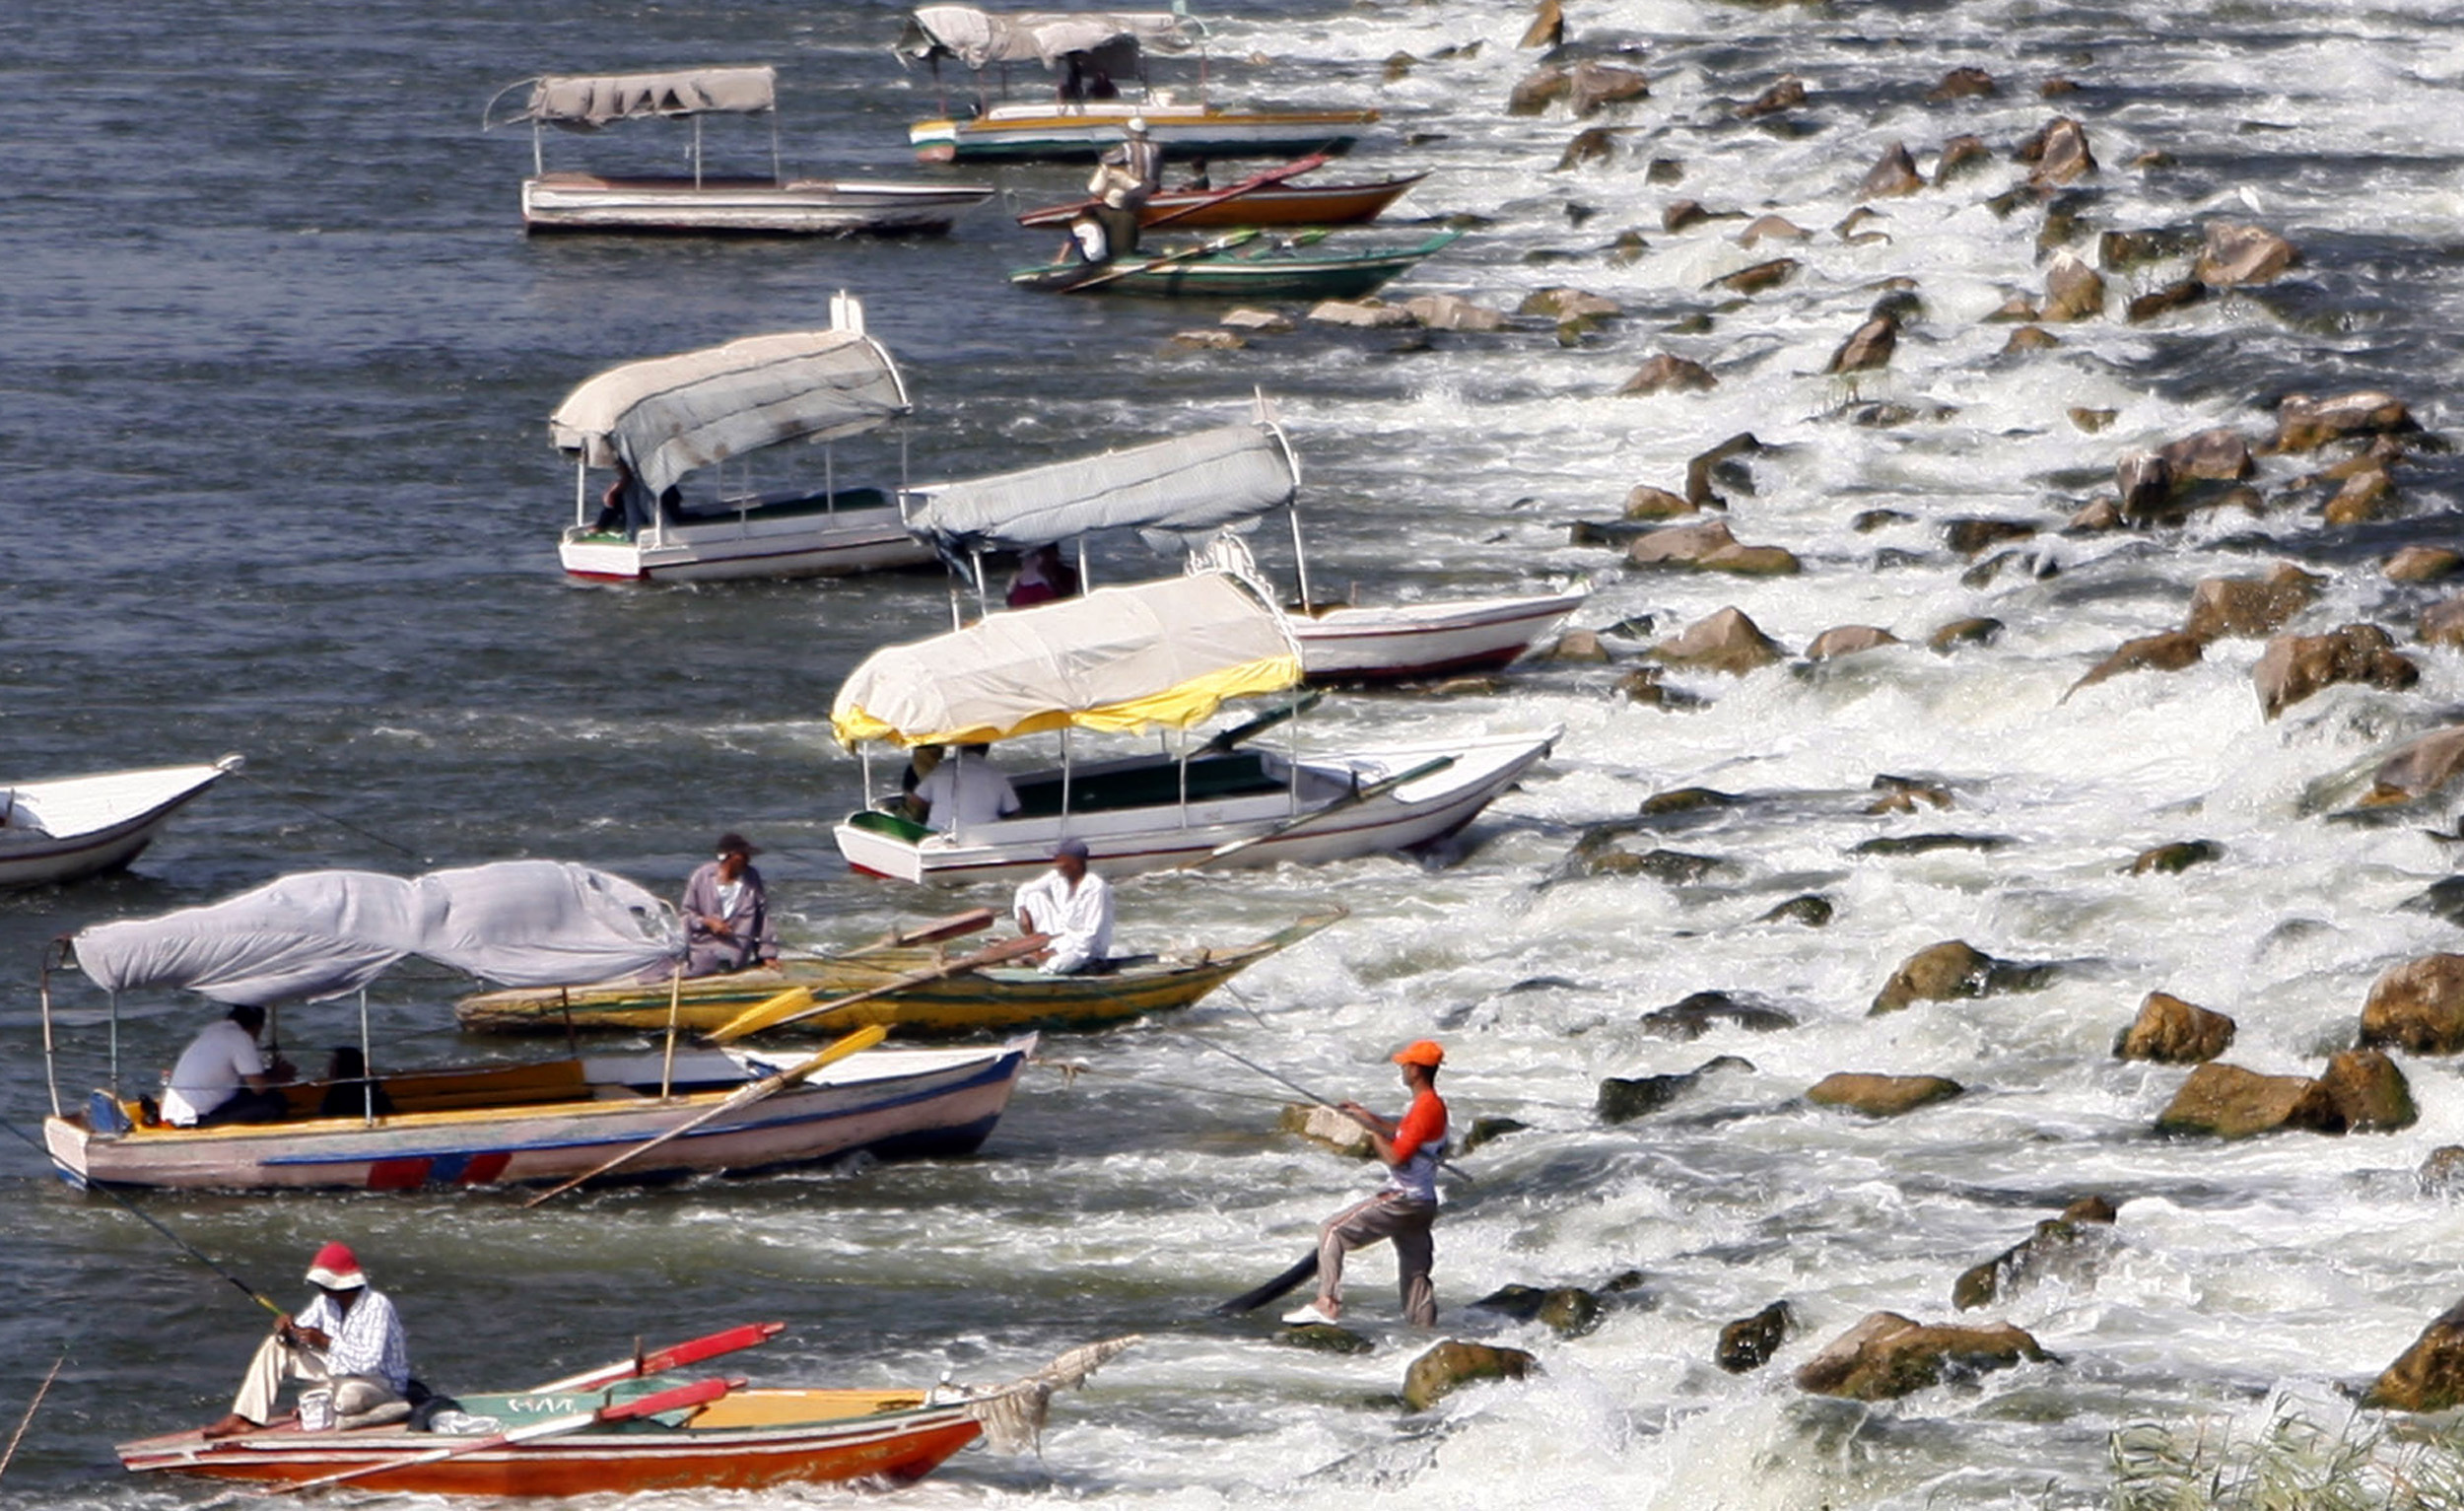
{"x": 1383, "y": 1216}
{"x": 338, "y": 1397}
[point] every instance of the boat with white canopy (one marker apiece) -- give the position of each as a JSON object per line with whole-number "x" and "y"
{"x": 1157, "y": 655}
{"x": 1099, "y": 58}
{"x": 656, "y": 422}
{"x": 704, "y": 202}
{"x": 1176, "y": 493}
{"x": 61, "y": 828}
{"x": 323, "y": 934}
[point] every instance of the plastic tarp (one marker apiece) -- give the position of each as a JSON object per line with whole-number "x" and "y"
{"x": 1118, "y": 659}
{"x": 586, "y": 102}
{"x": 322, "y": 933}
{"x": 669, "y": 415}
{"x": 980, "y": 39}
{"x": 1171, "y": 491}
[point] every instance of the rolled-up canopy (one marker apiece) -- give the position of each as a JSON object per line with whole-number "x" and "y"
{"x": 588, "y": 102}
{"x": 665, "y": 417}
{"x": 979, "y": 39}
{"x": 322, "y": 933}
{"x": 1171, "y": 491}
{"x": 1118, "y": 659}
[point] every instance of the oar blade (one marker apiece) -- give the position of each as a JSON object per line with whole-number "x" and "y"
{"x": 1251, "y": 1300}
{"x": 659, "y": 1361}
{"x": 763, "y": 1014}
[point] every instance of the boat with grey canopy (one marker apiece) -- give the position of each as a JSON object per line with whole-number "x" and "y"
{"x": 702, "y": 203}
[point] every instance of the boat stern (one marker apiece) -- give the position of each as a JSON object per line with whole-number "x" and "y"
{"x": 67, "y": 1141}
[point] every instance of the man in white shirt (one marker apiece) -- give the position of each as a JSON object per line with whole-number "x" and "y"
{"x": 221, "y": 1077}
{"x": 1071, "y": 908}
{"x": 348, "y": 1342}
{"x": 964, "y": 791}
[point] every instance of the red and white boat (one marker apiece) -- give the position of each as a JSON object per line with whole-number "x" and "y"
{"x": 1392, "y": 642}
{"x": 62, "y": 828}
{"x": 1273, "y": 204}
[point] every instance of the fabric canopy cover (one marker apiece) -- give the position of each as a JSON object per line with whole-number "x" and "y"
{"x": 979, "y": 39}
{"x": 1119, "y": 659}
{"x": 588, "y": 102}
{"x": 322, "y": 933}
{"x": 668, "y": 416}
{"x": 1172, "y": 491}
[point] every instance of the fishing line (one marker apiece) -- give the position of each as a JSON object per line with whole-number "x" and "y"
{"x": 337, "y": 822}
{"x": 40, "y": 1391}
{"x": 1070, "y": 1070}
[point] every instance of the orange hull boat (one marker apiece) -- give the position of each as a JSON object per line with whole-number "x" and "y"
{"x": 1280, "y": 204}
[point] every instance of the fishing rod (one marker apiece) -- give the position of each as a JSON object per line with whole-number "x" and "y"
{"x": 10, "y": 1455}
{"x": 184, "y": 1246}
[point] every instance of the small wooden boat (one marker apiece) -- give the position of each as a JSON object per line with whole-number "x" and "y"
{"x": 702, "y": 203}
{"x": 1002, "y": 998}
{"x": 1392, "y": 642}
{"x": 1240, "y": 266}
{"x": 1274, "y": 204}
{"x": 61, "y": 828}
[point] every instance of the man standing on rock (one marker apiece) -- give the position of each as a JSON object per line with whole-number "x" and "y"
{"x": 1403, "y": 1208}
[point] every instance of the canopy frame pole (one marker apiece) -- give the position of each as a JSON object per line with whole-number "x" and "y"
{"x": 958, "y": 616}
{"x": 940, "y": 89}
{"x": 1183, "y": 741}
{"x": 116, "y": 1046}
{"x": 50, "y": 1060}
{"x": 830, "y": 477}
{"x": 675, "y": 1009}
{"x": 368, "y": 1068}
{"x": 581, "y": 493}
{"x": 1066, "y": 764}
{"x": 696, "y": 152}
{"x": 1291, "y": 749}
{"x": 538, "y": 154}
{"x": 1300, "y": 559}
{"x": 777, "y": 173}
{"x": 1084, "y": 580}
{"x": 983, "y": 599}
{"x": 863, "y": 766}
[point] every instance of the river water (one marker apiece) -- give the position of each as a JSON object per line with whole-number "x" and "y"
{"x": 276, "y": 362}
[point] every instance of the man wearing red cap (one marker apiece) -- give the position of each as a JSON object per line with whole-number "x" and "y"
{"x": 349, "y": 1342}
{"x": 1403, "y": 1208}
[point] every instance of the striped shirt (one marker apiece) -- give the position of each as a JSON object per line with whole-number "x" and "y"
{"x": 368, "y": 1339}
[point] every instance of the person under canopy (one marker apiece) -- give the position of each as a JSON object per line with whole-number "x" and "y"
{"x": 726, "y": 912}
{"x": 966, "y": 789}
{"x": 1041, "y": 577}
{"x": 1070, "y": 907}
{"x": 223, "y": 1077}
{"x": 1404, "y": 1207}
{"x": 348, "y": 1344}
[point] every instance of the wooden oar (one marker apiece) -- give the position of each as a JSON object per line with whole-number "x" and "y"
{"x": 661, "y": 1361}
{"x": 1259, "y": 180}
{"x": 1249, "y": 728}
{"x": 930, "y": 932}
{"x": 699, "y": 1393}
{"x": 743, "y": 1097}
{"x": 1251, "y": 1301}
{"x": 796, "y": 1005}
{"x": 1350, "y": 799}
{"x": 1204, "y": 248}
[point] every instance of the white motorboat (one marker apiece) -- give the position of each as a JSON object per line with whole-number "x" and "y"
{"x": 1119, "y": 659}
{"x": 657, "y": 422}
{"x": 66, "y": 827}
{"x": 1389, "y": 641}
{"x": 704, "y": 203}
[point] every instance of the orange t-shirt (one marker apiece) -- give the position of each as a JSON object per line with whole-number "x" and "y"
{"x": 1424, "y": 1123}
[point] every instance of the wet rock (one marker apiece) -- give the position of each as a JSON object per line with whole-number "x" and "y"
{"x": 1537, "y": 89}
{"x": 2442, "y": 1173}
{"x": 1569, "y": 1311}
{"x": 1264, "y": 322}
{"x": 1207, "y": 340}
{"x": 2074, "y": 291}
{"x": 1489, "y": 1131}
{"x": 1848, "y": 640}
{"x": 2364, "y": 497}
{"x": 1749, "y": 1342}
{"x": 1664, "y": 170}
{"x": 2170, "y": 650}
{"x": 2250, "y": 607}
{"x": 1577, "y": 646}
{"x": 1892, "y": 176}
{"x": 1961, "y": 157}
{"x": 2118, "y": 251}
{"x": 2429, "y": 1376}
{"x": 2443, "y": 898}
{"x": 1628, "y": 250}
{"x": 1955, "y": 971}
{"x": 1868, "y": 347}
{"x": 1666, "y": 373}
{"x": 1788, "y": 92}
{"x": 1324, "y": 1338}
{"x": 2018, "y": 307}
{"x": 2092, "y": 420}
{"x": 2170, "y": 1031}
{"x": 1398, "y": 66}
{"x": 1449, "y": 312}
{"x": 1851, "y": 227}
{"x": 1972, "y": 536}
{"x": 1772, "y": 227}
{"x": 1696, "y": 1014}
{"x": 1708, "y": 547}
{"x": 1622, "y": 1099}
{"x": 2180, "y": 295}
{"x": 1888, "y": 1355}
{"x": 2064, "y": 1247}
{"x": 1869, "y": 521}
{"x": 2144, "y": 480}
{"x": 2418, "y": 768}
{"x": 1648, "y": 503}
{"x": 1902, "y": 795}
{"x": 1882, "y": 1096}
{"x": 2059, "y": 153}
{"x": 1327, "y": 1129}
{"x": 1596, "y": 85}
{"x": 1760, "y": 277}
{"x": 2442, "y": 623}
{"x": 2176, "y": 858}
{"x": 1563, "y": 304}
{"x": 2096, "y": 518}
{"x": 2229, "y": 1102}
{"x": 2305, "y": 423}
{"x": 2239, "y": 255}
{"x": 1811, "y": 908}
{"x": 2030, "y": 338}
{"x": 2296, "y": 667}
{"x": 1976, "y": 630}
{"x": 1927, "y": 843}
{"x": 1648, "y": 686}
{"x": 1686, "y": 799}
{"x": 1963, "y": 83}
{"x": 1683, "y": 214}
{"x": 1592, "y": 144}
{"x": 1720, "y": 465}
{"x": 1454, "y": 1363}
{"x": 1360, "y": 314}
{"x": 2371, "y": 1094}
{"x": 1548, "y": 28}
{"x": 2417, "y": 1006}
{"x": 1727, "y": 642}
{"x": 2212, "y": 455}
{"x": 2422, "y": 564}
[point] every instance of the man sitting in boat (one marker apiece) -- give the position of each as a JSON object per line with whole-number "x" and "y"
{"x": 348, "y": 1342}
{"x": 727, "y": 912}
{"x": 1071, "y": 908}
{"x": 1125, "y": 179}
{"x": 222, "y": 1077}
{"x": 966, "y": 789}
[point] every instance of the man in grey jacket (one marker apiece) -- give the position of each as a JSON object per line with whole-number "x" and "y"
{"x": 727, "y": 912}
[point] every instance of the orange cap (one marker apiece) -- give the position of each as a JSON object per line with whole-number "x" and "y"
{"x": 1420, "y": 1051}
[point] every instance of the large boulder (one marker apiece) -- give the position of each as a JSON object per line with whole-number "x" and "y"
{"x": 1966, "y": 82}
{"x": 1698, "y": 1013}
{"x": 2429, "y": 1376}
{"x": 1720, "y": 465}
{"x": 1888, "y": 1355}
{"x": 1960, "y": 156}
{"x": 2305, "y": 423}
{"x": 2145, "y": 481}
{"x": 1882, "y": 1096}
{"x": 2295, "y": 667}
{"x": 2063, "y": 1246}
{"x": 1594, "y": 86}
{"x": 1327, "y": 1129}
{"x": 1548, "y": 28}
{"x": 1757, "y": 278}
{"x": 1726, "y": 642}
{"x": 2058, "y": 153}
{"x": 2171, "y": 1031}
{"x": 2250, "y": 607}
{"x": 2364, "y": 497}
{"x": 2212, "y": 455}
{"x": 1788, "y": 92}
{"x": 1569, "y": 1311}
{"x": 1949, "y": 972}
{"x": 1868, "y": 347}
{"x": 1622, "y": 1099}
{"x": 2074, "y": 291}
{"x": 1536, "y": 91}
{"x": 1666, "y": 373}
{"x": 1747, "y": 1343}
{"x": 1973, "y": 536}
{"x": 1452, "y": 311}
{"x": 1848, "y": 640}
{"x": 1645, "y": 501}
{"x": 1360, "y": 314}
{"x": 2371, "y": 1094}
{"x": 1454, "y": 1363}
{"x": 2422, "y": 564}
{"x": 1895, "y": 174}
{"x": 1561, "y": 304}
{"x": 1975, "y": 630}
{"x": 1772, "y": 227}
{"x": 2417, "y": 1006}
{"x": 2181, "y": 294}
{"x": 1708, "y": 547}
{"x": 2230, "y": 1102}
{"x": 2418, "y": 768}
{"x": 2442, "y": 623}
{"x": 1592, "y": 144}
{"x": 2242, "y": 254}
{"x": 2170, "y": 650}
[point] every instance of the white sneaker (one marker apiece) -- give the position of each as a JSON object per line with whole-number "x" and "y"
{"x": 1310, "y": 1316}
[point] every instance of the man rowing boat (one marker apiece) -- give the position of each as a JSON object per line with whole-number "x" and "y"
{"x": 1404, "y": 1208}
{"x": 348, "y": 1342}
